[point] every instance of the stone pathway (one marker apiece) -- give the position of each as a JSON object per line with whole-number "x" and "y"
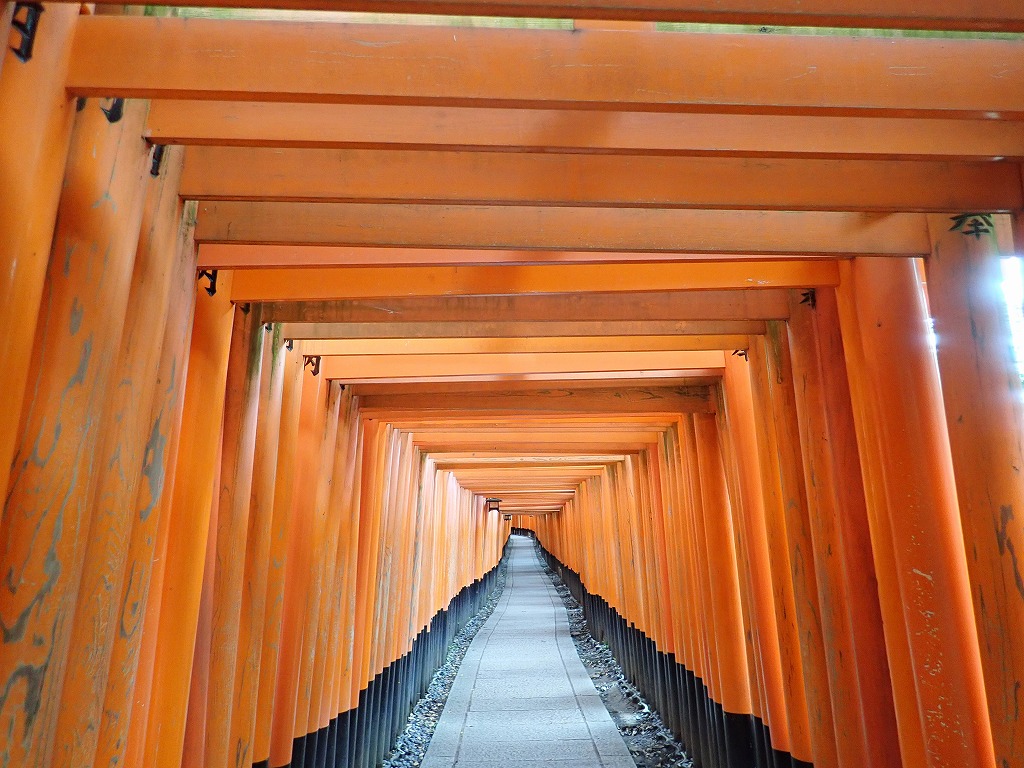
{"x": 522, "y": 698}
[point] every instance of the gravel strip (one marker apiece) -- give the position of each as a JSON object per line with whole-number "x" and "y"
{"x": 650, "y": 743}
{"x": 411, "y": 746}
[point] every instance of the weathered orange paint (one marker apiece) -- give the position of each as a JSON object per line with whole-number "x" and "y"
{"x": 730, "y": 653}
{"x": 312, "y": 428}
{"x": 588, "y": 69}
{"x": 123, "y": 452}
{"x": 924, "y": 587}
{"x": 126, "y": 700}
{"x": 934, "y": 14}
{"x": 282, "y": 505}
{"x": 252, "y": 616}
{"x": 561, "y": 228}
{"x": 518, "y": 178}
{"x": 851, "y": 621}
{"x": 754, "y": 539}
{"x": 191, "y": 500}
{"x": 35, "y": 123}
{"x": 53, "y": 477}
{"x": 372, "y": 126}
{"x": 983, "y": 398}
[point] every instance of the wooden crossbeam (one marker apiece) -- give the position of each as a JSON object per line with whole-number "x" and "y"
{"x": 559, "y": 228}
{"x": 369, "y": 367}
{"x": 666, "y": 306}
{"x": 148, "y": 57}
{"x": 650, "y": 399}
{"x": 382, "y": 282}
{"x": 994, "y": 15}
{"x": 371, "y": 126}
{"x": 411, "y": 334}
{"x": 678, "y": 376}
{"x": 408, "y": 176}
{"x": 474, "y": 346}
{"x": 248, "y": 256}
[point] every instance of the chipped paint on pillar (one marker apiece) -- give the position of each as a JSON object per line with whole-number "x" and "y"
{"x": 46, "y": 513}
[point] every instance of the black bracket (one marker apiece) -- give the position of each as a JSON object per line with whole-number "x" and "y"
{"x": 741, "y": 353}
{"x": 289, "y": 344}
{"x": 245, "y": 307}
{"x": 26, "y": 26}
{"x": 158, "y": 158}
{"x": 312, "y": 361}
{"x": 115, "y": 111}
{"x": 268, "y": 327}
{"x": 211, "y": 275}
{"x": 810, "y": 298}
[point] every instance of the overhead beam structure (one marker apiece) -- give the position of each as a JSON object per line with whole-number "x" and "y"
{"x": 562, "y": 228}
{"x": 344, "y": 283}
{"x": 487, "y": 178}
{"x": 664, "y": 134}
{"x": 716, "y": 315}
{"x": 996, "y": 15}
{"x": 174, "y": 58}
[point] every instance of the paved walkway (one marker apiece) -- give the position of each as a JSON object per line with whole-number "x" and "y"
{"x": 522, "y": 698}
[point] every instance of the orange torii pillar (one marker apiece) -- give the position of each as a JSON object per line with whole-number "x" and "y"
{"x": 865, "y": 721}
{"x": 128, "y": 453}
{"x": 981, "y": 390}
{"x": 35, "y": 122}
{"x": 192, "y": 498}
{"x": 741, "y": 437}
{"x": 284, "y": 488}
{"x": 924, "y": 588}
{"x": 54, "y": 475}
{"x": 806, "y": 687}
{"x": 126, "y": 699}
{"x": 257, "y": 549}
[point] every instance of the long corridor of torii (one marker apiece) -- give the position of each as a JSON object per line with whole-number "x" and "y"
{"x": 305, "y": 306}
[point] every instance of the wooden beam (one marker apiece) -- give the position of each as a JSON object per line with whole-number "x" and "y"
{"x": 411, "y": 333}
{"x": 384, "y": 282}
{"x": 248, "y": 256}
{"x": 369, "y": 367}
{"x": 675, "y": 376}
{"x": 652, "y": 399}
{"x": 367, "y": 389}
{"x": 668, "y": 306}
{"x": 160, "y": 58}
{"x": 993, "y": 15}
{"x": 493, "y": 178}
{"x": 372, "y": 126}
{"x": 556, "y": 228}
{"x": 471, "y": 346}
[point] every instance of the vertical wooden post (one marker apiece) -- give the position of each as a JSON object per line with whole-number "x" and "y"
{"x": 257, "y": 550}
{"x": 861, "y": 689}
{"x": 312, "y": 425}
{"x": 923, "y": 585}
{"x": 120, "y": 472}
{"x": 54, "y": 475}
{"x": 743, "y": 426}
{"x": 727, "y": 623}
{"x": 241, "y": 405}
{"x": 802, "y": 730}
{"x": 773, "y": 377}
{"x": 35, "y": 122}
{"x": 277, "y": 558}
{"x": 984, "y": 405}
{"x": 193, "y": 752}
{"x": 191, "y": 500}
{"x": 126, "y": 700}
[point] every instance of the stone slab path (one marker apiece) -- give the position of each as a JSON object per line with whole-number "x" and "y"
{"x": 522, "y": 698}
